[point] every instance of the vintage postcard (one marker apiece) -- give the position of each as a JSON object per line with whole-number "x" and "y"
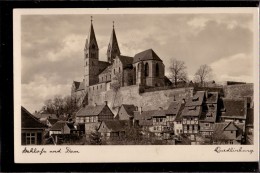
{"x": 136, "y": 85}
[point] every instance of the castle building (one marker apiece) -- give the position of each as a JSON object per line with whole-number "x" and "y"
{"x": 144, "y": 69}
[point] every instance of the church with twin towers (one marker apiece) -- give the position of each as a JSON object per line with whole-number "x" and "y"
{"x": 144, "y": 69}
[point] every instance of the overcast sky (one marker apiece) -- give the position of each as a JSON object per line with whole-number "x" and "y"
{"x": 52, "y": 46}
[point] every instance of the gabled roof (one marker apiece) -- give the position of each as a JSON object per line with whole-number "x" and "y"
{"x": 197, "y": 99}
{"x": 234, "y": 108}
{"x": 191, "y": 111}
{"x": 52, "y": 121}
{"x": 179, "y": 115}
{"x": 106, "y": 70}
{"x": 59, "y": 125}
{"x": 29, "y": 121}
{"x": 146, "y": 55}
{"x": 81, "y": 86}
{"x": 143, "y": 115}
{"x": 173, "y": 108}
{"x": 113, "y": 125}
{"x": 129, "y": 109}
{"x": 158, "y": 113}
{"x": 76, "y": 84}
{"x": 230, "y": 127}
{"x": 127, "y": 61}
{"x": 212, "y": 97}
{"x": 219, "y": 128}
{"x": 90, "y": 110}
{"x": 209, "y": 115}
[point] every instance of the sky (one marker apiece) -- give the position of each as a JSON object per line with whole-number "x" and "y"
{"x": 52, "y": 46}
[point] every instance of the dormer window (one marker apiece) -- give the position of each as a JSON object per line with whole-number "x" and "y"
{"x": 195, "y": 99}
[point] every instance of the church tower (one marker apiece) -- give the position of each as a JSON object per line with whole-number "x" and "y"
{"x": 113, "y": 48}
{"x": 91, "y": 58}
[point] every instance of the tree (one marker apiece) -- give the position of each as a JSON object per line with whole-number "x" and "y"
{"x": 116, "y": 84}
{"x": 95, "y": 138}
{"x": 203, "y": 74}
{"x": 178, "y": 71}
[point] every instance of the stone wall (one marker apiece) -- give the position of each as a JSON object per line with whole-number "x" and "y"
{"x": 148, "y": 101}
{"x": 235, "y": 91}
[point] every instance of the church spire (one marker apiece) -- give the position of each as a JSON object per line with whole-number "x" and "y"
{"x": 91, "y": 37}
{"x": 113, "y": 48}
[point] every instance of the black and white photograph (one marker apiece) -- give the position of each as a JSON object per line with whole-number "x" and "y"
{"x": 172, "y": 78}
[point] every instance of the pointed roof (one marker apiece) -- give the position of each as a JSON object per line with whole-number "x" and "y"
{"x": 146, "y": 55}
{"x": 91, "y": 37}
{"x": 30, "y": 122}
{"x": 129, "y": 109}
{"x": 113, "y": 42}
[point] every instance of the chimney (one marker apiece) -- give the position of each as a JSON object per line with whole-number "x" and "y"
{"x": 105, "y": 102}
{"x": 183, "y": 101}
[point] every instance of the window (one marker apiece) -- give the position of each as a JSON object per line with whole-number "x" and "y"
{"x": 207, "y": 124}
{"x": 157, "y": 70}
{"x": 119, "y": 69}
{"x": 114, "y": 71}
{"x": 180, "y": 130}
{"x": 231, "y": 131}
{"x": 177, "y": 130}
{"x": 86, "y": 63}
{"x": 146, "y": 69}
{"x": 30, "y": 138}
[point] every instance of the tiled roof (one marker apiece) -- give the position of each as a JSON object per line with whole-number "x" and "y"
{"x": 145, "y": 118}
{"x": 126, "y": 61}
{"x": 81, "y": 86}
{"x": 52, "y": 121}
{"x": 129, "y": 109}
{"x": 173, "y": 108}
{"x": 113, "y": 125}
{"x": 234, "y": 108}
{"x": 29, "y": 121}
{"x": 45, "y": 114}
{"x": 159, "y": 113}
{"x": 90, "y": 110}
{"x": 212, "y": 97}
{"x": 106, "y": 70}
{"x": 225, "y": 126}
{"x": 76, "y": 84}
{"x": 146, "y": 55}
{"x": 179, "y": 115}
{"x": 167, "y": 80}
{"x": 250, "y": 117}
{"x": 197, "y": 99}
{"x": 210, "y": 115}
{"x": 191, "y": 111}
{"x": 59, "y": 125}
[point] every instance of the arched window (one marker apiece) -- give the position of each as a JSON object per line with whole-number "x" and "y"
{"x": 146, "y": 68}
{"x": 157, "y": 70}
